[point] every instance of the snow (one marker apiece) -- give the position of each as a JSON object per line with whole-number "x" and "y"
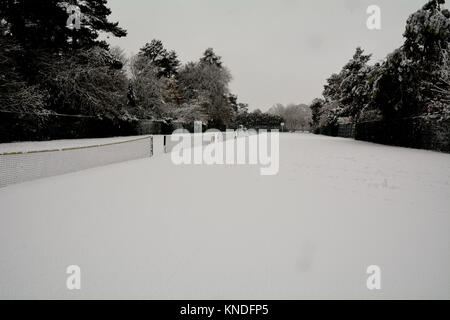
{"x": 148, "y": 229}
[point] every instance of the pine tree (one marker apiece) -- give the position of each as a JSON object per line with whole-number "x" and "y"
{"x": 352, "y": 88}
{"x": 43, "y": 23}
{"x": 166, "y": 61}
{"x": 210, "y": 57}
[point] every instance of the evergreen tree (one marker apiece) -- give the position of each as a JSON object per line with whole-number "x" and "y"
{"x": 165, "y": 61}
{"x": 412, "y": 79}
{"x": 43, "y": 23}
{"x": 316, "y": 109}
{"x": 15, "y": 94}
{"x": 211, "y": 58}
{"x": 206, "y": 84}
{"x": 351, "y": 88}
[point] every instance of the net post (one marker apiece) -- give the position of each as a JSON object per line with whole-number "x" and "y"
{"x": 151, "y": 146}
{"x": 165, "y": 144}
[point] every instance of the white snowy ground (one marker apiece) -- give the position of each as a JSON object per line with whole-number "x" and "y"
{"x": 150, "y": 229}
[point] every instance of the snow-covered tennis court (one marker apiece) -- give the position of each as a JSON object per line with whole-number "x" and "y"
{"x": 150, "y": 229}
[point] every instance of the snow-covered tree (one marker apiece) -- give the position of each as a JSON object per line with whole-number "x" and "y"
{"x": 79, "y": 76}
{"x": 43, "y": 23}
{"x": 295, "y": 116}
{"x": 15, "y": 94}
{"x": 351, "y": 88}
{"x": 205, "y": 84}
{"x": 165, "y": 61}
{"x": 316, "y": 107}
{"x": 413, "y": 80}
{"x": 149, "y": 90}
{"x": 85, "y": 82}
{"x": 210, "y": 57}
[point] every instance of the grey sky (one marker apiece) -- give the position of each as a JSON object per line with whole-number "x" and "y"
{"x": 277, "y": 50}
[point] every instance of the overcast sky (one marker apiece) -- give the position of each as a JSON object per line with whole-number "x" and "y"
{"x": 277, "y": 50}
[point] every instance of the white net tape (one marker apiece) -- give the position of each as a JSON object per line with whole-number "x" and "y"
{"x": 21, "y": 167}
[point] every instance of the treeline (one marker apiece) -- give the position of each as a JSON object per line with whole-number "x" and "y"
{"x": 48, "y": 68}
{"x": 296, "y": 116}
{"x": 162, "y": 88}
{"x": 412, "y": 82}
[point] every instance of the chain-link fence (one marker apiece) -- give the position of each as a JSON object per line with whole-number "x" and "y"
{"x": 414, "y": 132}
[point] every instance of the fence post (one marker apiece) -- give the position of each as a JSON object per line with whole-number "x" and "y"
{"x": 151, "y": 146}
{"x": 165, "y": 144}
